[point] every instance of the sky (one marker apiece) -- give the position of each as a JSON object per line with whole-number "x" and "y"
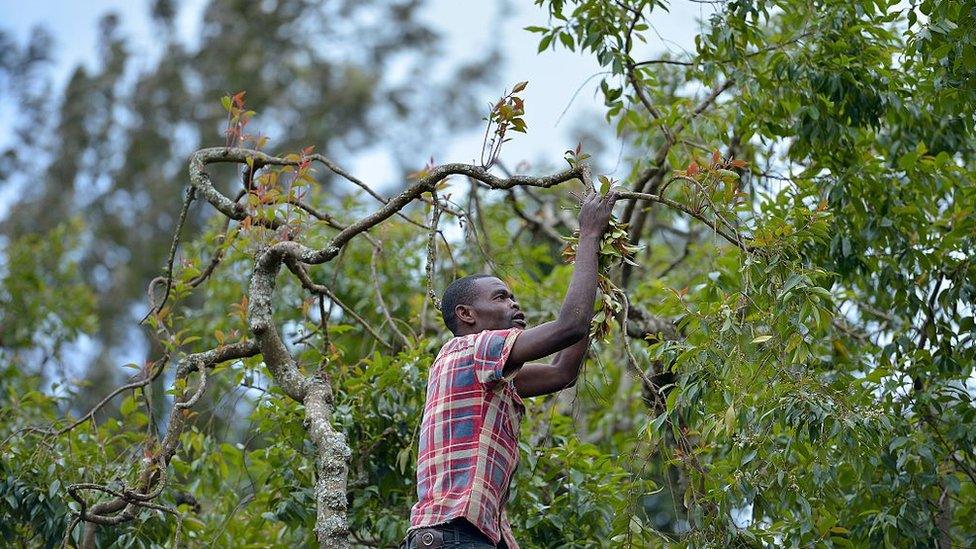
{"x": 561, "y": 95}
{"x": 561, "y": 92}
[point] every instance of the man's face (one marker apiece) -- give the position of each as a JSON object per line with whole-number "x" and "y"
{"x": 495, "y": 308}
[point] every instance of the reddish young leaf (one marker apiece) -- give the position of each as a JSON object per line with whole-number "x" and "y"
{"x": 239, "y": 99}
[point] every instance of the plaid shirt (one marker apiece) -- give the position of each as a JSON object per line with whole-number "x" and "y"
{"x": 469, "y": 436}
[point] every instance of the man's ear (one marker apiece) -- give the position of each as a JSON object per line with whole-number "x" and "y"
{"x": 465, "y": 314}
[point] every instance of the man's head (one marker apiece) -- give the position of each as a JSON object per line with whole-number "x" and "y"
{"x": 480, "y": 302}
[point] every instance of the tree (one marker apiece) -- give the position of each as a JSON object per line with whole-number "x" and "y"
{"x": 115, "y": 154}
{"x": 796, "y": 342}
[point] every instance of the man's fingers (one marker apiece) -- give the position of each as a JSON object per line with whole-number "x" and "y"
{"x": 591, "y": 196}
{"x": 610, "y": 198}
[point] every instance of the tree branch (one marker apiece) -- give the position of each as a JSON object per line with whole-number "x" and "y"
{"x": 320, "y": 289}
{"x": 153, "y": 469}
{"x": 435, "y": 217}
{"x": 681, "y": 207}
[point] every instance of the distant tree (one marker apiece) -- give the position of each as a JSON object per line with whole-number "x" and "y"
{"x": 114, "y": 153}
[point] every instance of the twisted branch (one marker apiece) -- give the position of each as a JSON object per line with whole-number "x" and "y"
{"x": 152, "y": 478}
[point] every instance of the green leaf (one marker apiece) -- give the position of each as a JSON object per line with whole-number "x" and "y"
{"x": 567, "y": 40}
{"x": 656, "y": 423}
{"x": 730, "y": 417}
{"x": 727, "y": 176}
{"x": 544, "y": 43}
{"x": 792, "y": 282}
{"x": 878, "y": 374}
{"x": 128, "y": 405}
{"x": 671, "y": 400}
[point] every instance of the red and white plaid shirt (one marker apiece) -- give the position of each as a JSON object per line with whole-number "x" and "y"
{"x": 469, "y": 436}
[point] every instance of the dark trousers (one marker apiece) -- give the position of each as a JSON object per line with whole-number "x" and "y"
{"x": 457, "y": 533}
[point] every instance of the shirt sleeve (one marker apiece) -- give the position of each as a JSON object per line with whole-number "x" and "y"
{"x": 491, "y": 350}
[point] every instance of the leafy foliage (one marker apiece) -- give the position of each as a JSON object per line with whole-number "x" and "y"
{"x": 813, "y": 385}
{"x": 43, "y": 302}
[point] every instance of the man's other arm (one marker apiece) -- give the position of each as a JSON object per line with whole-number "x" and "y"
{"x": 542, "y": 379}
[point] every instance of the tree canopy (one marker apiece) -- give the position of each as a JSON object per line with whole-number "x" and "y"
{"x": 122, "y": 129}
{"x": 789, "y": 360}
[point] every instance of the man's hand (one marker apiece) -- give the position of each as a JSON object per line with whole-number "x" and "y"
{"x": 595, "y": 212}
{"x": 573, "y": 322}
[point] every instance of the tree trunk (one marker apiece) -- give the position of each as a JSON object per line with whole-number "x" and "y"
{"x": 331, "y": 467}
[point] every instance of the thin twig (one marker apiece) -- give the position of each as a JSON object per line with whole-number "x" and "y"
{"x": 684, "y": 255}
{"x": 681, "y": 207}
{"x": 311, "y": 286}
{"x": 198, "y": 393}
{"x": 536, "y": 225}
{"x": 706, "y": 103}
{"x": 149, "y": 377}
{"x": 432, "y": 252}
{"x": 379, "y": 296}
{"x": 632, "y": 72}
{"x": 663, "y": 62}
{"x": 188, "y": 198}
{"x": 631, "y": 359}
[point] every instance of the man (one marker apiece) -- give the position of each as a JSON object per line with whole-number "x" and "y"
{"x": 468, "y": 447}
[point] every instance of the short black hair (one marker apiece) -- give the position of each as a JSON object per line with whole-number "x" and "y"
{"x": 460, "y": 292}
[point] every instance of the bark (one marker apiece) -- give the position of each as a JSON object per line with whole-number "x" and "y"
{"x": 315, "y": 392}
{"x": 331, "y": 466}
{"x": 641, "y": 324}
{"x": 944, "y": 520}
{"x": 279, "y": 361}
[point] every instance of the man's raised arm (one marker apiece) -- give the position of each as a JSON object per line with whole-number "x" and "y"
{"x": 573, "y": 322}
